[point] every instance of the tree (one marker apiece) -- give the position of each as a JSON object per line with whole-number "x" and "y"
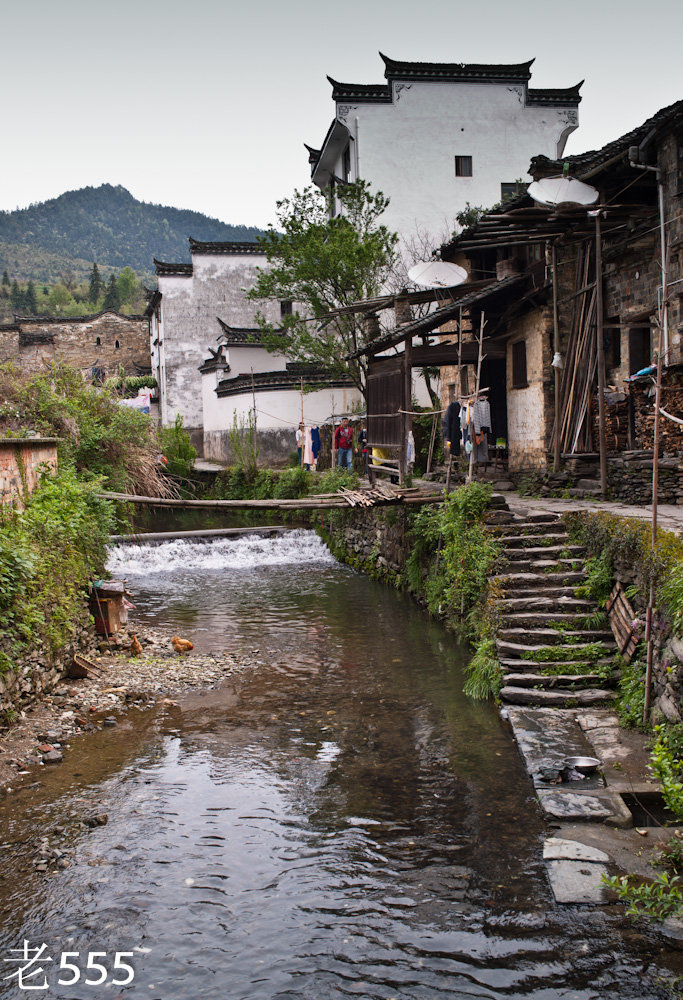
{"x": 111, "y": 299}
{"x": 16, "y": 296}
{"x": 5, "y": 278}
{"x": 30, "y": 300}
{"x": 322, "y": 263}
{"x": 60, "y": 299}
{"x": 96, "y": 284}
{"x": 127, "y": 284}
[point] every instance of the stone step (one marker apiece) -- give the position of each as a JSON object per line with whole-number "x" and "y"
{"x": 552, "y": 681}
{"x": 547, "y": 566}
{"x": 542, "y": 581}
{"x": 575, "y": 552}
{"x": 517, "y": 528}
{"x": 562, "y": 697}
{"x": 509, "y": 648}
{"x": 529, "y": 541}
{"x": 524, "y": 667}
{"x": 539, "y": 619}
{"x": 542, "y": 601}
{"x": 555, "y": 637}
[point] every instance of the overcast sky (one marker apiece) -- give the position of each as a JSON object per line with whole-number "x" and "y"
{"x": 206, "y": 104}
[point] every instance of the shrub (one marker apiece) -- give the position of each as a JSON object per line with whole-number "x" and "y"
{"x": 657, "y": 899}
{"x": 178, "y": 450}
{"x": 48, "y": 554}
{"x": 484, "y": 678}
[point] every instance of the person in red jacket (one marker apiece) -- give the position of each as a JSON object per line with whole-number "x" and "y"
{"x": 343, "y": 443}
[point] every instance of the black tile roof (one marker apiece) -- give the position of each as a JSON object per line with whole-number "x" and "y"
{"x": 456, "y": 71}
{"x": 281, "y": 380}
{"x": 164, "y": 268}
{"x": 238, "y": 334}
{"x": 562, "y": 96}
{"x": 671, "y": 116}
{"x": 230, "y": 247}
{"x": 65, "y": 320}
{"x": 366, "y": 93}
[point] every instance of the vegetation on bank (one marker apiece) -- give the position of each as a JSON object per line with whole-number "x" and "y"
{"x": 54, "y": 542}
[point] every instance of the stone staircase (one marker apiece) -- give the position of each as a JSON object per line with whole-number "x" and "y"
{"x": 547, "y": 651}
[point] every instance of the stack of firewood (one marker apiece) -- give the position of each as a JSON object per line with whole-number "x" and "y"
{"x": 671, "y": 440}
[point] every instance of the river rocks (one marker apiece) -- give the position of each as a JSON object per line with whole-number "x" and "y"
{"x": 53, "y": 757}
{"x": 99, "y": 819}
{"x": 110, "y": 721}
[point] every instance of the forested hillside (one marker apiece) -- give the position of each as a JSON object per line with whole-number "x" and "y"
{"x": 105, "y": 224}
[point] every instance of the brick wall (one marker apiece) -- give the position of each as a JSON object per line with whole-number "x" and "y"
{"x": 104, "y": 342}
{"x": 22, "y": 460}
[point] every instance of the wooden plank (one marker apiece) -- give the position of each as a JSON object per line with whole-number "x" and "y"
{"x": 621, "y": 616}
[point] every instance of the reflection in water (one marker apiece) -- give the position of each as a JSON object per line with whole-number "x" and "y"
{"x": 339, "y": 823}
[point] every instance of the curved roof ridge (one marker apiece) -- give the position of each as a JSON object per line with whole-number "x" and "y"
{"x": 457, "y": 71}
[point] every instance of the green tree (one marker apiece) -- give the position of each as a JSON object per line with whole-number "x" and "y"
{"x": 5, "y": 278}
{"x": 127, "y": 284}
{"x": 322, "y": 263}
{"x": 16, "y": 296}
{"x": 111, "y": 299}
{"x": 60, "y": 299}
{"x": 96, "y": 284}
{"x": 30, "y": 299}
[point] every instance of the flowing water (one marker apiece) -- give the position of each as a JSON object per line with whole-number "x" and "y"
{"x": 339, "y": 822}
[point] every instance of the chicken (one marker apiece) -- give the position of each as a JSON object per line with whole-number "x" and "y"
{"x": 135, "y": 648}
{"x": 181, "y": 645}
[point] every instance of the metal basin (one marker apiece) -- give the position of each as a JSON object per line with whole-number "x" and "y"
{"x": 586, "y": 765}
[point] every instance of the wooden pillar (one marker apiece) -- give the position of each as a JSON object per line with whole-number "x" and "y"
{"x": 407, "y": 422}
{"x": 601, "y": 356}
{"x": 557, "y": 451}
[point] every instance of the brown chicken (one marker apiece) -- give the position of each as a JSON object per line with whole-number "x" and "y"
{"x": 181, "y": 645}
{"x": 135, "y": 647}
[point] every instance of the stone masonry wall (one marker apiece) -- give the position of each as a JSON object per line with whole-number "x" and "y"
{"x": 373, "y": 541}
{"x": 21, "y": 462}
{"x": 95, "y": 345}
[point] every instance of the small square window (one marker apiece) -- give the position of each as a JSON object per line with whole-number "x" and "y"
{"x": 463, "y": 166}
{"x": 519, "y": 379}
{"x": 286, "y": 307}
{"x": 512, "y": 190}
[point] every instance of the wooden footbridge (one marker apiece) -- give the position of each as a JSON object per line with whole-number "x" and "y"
{"x": 379, "y": 495}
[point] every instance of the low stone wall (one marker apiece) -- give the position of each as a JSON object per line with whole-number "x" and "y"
{"x": 37, "y": 673}
{"x": 22, "y": 460}
{"x": 371, "y": 540}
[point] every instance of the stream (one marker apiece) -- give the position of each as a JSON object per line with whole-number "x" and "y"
{"x": 340, "y": 821}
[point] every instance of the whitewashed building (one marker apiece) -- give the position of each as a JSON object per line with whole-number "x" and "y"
{"x": 209, "y": 362}
{"x": 436, "y": 136}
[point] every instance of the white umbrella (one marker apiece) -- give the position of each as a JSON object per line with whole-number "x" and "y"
{"x": 437, "y": 274}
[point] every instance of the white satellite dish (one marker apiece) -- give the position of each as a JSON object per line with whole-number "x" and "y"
{"x": 562, "y": 191}
{"x": 437, "y": 274}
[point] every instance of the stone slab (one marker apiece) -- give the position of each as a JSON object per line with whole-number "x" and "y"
{"x": 577, "y": 881}
{"x": 557, "y": 849}
{"x": 545, "y": 735}
{"x": 575, "y": 806}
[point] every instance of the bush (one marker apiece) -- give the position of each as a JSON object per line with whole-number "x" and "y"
{"x": 177, "y": 449}
{"x": 484, "y": 678}
{"x": 48, "y": 553}
{"x": 97, "y": 436}
{"x": 657, "y": 899}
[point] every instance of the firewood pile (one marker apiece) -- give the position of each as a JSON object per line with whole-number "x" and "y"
{"x": 616, "y": 421}
{"x": 671, "y": 441}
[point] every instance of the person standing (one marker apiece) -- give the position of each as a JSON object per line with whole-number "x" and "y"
{"x": 343, "y": 442}
{"x": 362, "y": 448}
{"x": 300, "y": 439}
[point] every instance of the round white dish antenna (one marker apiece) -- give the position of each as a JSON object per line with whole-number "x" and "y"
{"x": 437, "y": 274}
{"x": 562, "y": 191}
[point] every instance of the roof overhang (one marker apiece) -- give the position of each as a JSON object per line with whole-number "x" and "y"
{"x": 336, "y": 140}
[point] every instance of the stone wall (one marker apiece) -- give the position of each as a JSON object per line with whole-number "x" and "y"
{"x": 37, "y": 673}
{"x": 96, "y": 345}
{"x": 22, "y": 460}
{"x": 372, "y": 541}
{"x": 530, "y": 409}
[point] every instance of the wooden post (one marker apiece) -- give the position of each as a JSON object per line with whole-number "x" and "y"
{"x": 303, "y": 440}
{"x": 253, "y": 430}
{"x": 601, "y": 357}
{"x": 662, "y": 346}
{"x": 476, "y": 393}
{"x": 332, "y": 447}
{"x": 558, "y": 372}
{"x": 407, "y": 421}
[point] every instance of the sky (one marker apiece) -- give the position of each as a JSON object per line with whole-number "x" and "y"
{"x": 206, "y": 104}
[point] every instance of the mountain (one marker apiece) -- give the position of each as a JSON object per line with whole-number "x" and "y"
{"x": 104, "y": 224}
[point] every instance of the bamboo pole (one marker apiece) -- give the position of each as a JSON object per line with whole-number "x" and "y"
{"x": 558, "y": 371}
{"x": 601, "y": 358}
{"x": 476, "y": 391}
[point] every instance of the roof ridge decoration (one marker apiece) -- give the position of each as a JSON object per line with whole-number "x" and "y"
{"x": 239, "y": 334}
{"x": 368, "y": 93}
{"x": 225, "y": 247}
{"x": 166, "y": 268}
{"x": 394, "y": 68}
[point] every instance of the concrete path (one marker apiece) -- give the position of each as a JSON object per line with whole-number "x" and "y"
{"x": 669, "y": 516}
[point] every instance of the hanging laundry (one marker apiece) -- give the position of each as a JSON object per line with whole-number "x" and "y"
{"x": 451, "y": 427}
{"x": 482, "y": 416}
{"x": 315, "y": 442}
{"x": 309, "y": 460}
